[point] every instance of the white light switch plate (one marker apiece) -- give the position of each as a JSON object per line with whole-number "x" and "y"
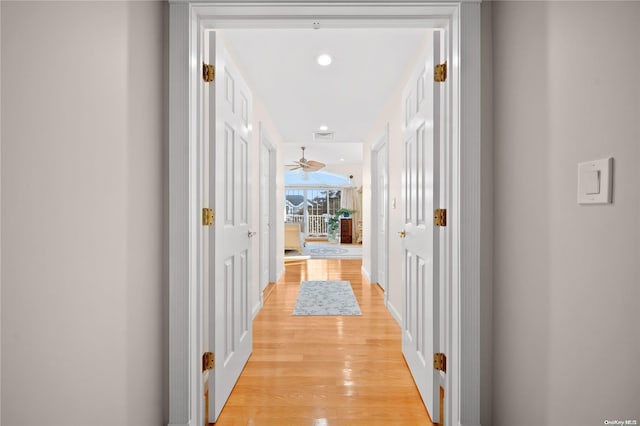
{"x": 595, "y": 181}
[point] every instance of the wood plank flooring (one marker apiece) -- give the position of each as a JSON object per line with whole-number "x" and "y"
{"x": 325, "y": 370}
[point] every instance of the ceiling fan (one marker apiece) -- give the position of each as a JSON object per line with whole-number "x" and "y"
{"x": 305, "y": 165}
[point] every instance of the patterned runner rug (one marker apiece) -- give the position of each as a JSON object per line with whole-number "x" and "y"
{"x": 322, "y": 250}
{"x": 326, "y": 298}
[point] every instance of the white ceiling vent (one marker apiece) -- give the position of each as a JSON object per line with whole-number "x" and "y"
{"x": 323, "y": 136}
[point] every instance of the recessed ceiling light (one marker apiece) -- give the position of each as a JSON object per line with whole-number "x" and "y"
{"x": 342, "y": 159}
{"x": 324, "y": 59}
{"x": 324, "y": 127}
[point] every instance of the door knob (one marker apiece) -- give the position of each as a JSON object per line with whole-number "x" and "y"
{"x": 403, "y": 233}
{"x": 251, "y": 233}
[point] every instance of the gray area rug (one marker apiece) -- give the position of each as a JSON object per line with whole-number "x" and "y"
{"x": 322, "y": 250}
{"x": 326, "y": 298}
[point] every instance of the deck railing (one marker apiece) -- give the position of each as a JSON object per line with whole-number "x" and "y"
{"x": 316, "y": 223}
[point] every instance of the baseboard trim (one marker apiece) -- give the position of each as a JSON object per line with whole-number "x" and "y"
{"x": 256, "y": 309}
{"x": 365, "y": 273}
{"x": 267, "y": 291}
{"x": 394, "y": 313}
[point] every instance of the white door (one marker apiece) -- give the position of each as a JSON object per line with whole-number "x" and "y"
{"x": 420, "y": 323}
{"x": 229, "y": 317}
{"x": 265, "y": 216}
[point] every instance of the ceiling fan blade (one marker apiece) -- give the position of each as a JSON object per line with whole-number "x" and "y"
{"x": 312, "y": 169}
{"x": 315, "y": 164}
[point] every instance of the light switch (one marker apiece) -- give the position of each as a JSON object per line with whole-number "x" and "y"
{"x": 594, "y": 181}
{"x": 591, "y": 181}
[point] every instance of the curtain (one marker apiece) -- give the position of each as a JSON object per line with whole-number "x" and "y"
{"x": 347, "y": 201}
{"x": 352, "y": 199}
{"x": 357, "y": 217}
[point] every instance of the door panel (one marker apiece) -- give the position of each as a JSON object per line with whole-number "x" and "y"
{"x": 228, "y": 104}
{"x": 421, "y": 328}
{"x": 409, "y": 156}
{"x": 243, "y": 179}
{"x": 229, "y": 278}
{"x": 228, "y": 170}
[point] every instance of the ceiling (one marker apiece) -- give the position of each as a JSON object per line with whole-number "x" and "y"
{"x": 347, "y": 96}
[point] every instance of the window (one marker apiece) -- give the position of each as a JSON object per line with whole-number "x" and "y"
{"x": 311, "y": 197}
{"x": 311, "y": 207}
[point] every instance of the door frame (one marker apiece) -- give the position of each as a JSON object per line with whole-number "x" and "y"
{"x": 380, "y": 145}
{"x": 461, "y": 251}
{"x": 265, "y": 141}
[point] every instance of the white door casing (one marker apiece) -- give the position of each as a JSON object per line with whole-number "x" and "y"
{"x": 230, "y": 319}
{"x": 460, "y": 21}
{"x": 264, "y": 217}
{"x": 267, "y": 211}
{"x": 380, "y": 208}
{"x": 383, "y": 247}
{"x": 421, "y": 261}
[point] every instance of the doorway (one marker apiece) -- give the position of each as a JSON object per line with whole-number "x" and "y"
{"x": 380, "y": 212}
{"x": 268, "y": 217}
{"x": 461, "y": 22}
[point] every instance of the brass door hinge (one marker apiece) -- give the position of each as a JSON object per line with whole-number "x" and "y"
{"x": 440, "y": 217}
{"x": 208, "y": 361}
{"x": 208, "y": 73}
{"x": 440, "y": 362}
{"x": 208, "y": 217}
{"x": 440, "y": 73}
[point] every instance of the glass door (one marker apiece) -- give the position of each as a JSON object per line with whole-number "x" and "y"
{"x": 311, "y": 208}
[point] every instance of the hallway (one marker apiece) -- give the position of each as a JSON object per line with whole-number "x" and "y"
{"x": 324, "y": 370}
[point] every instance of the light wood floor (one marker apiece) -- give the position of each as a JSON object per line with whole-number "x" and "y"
{"x": 325, "y": 370}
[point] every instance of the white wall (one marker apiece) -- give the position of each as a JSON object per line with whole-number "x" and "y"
{"x": 83, "y": 222}
{"x": 567, "y": 277}
{"x": 347, "y": 170}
